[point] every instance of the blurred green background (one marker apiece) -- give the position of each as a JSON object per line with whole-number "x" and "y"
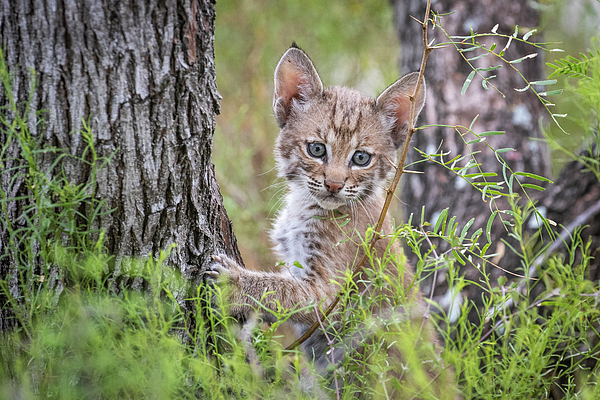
{"x": 352, "y": 43}
{"x": 574, "y": 25}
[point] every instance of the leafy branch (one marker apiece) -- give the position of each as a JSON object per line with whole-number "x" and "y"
{"x": 490, "y": 190}
{"x": 574, "y": 67}
{"x": 468, "y": 44}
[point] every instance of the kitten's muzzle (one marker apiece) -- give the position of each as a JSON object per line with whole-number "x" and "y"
{"x": 334, "y": 187}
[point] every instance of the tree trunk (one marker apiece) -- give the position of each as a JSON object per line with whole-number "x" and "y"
{"x": 517, "y": 114}
{"x": 143, "y": 72}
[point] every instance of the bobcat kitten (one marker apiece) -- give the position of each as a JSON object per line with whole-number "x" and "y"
{"x": 336, "y": 148}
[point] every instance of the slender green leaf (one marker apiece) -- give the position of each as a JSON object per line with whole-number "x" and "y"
{"x": 476, "y": 235}
{"x": 484, "y": 249}
{"x": 492, "y": 133}
{"x": 533, "y": 176}
{"x": 497, "y": 193}
{"x": 480, "y": 174}
{"x": 466, "y": 228}
{"x": 551, "y": 92}
{"x": 510, "y": 38}
{"x": 528, "y": 34}
{"x": 478, "y": 57}
{"x": 441, "y": 219}
{"x": 505, "y": 150}
{"x": 469, "y": 49}
{"x": 467, "y": 82}
{"x": 543, "y": 83}
{"x": 454, "y": 163}
{"x": 457, "y": 158}
{"x": 344, "y": 223}
{"x": 458, "y": 258}
{"x": 518, "y": 60}
{"x": 532, "y": 186}
{"x": 488, "y": 229}
{"x": 489, "y": 69}
{"x": 473, "y": 123}
{"x": 524, "y": 89}
{"x": 483, "y": 193}
{"x": 491, "y": 185}
{"x": 450, "y": 226}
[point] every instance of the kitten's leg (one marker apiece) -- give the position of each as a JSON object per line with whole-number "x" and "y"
{"x": 246, "y": 288}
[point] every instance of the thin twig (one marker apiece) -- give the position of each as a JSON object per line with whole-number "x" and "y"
{"x": 390, "y": 192}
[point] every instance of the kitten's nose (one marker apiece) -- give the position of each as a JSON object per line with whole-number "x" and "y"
{"x": 334, "y": 187}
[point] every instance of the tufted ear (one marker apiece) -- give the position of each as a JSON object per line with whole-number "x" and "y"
{"x": 394, "y": 102}
{"x": 296, "y": 79}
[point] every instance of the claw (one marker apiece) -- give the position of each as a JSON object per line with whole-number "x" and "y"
{"x": 217, "y": 258}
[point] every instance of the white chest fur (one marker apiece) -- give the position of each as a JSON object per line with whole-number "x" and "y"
{"x": 294, "y": 234}
{"x": 290, "y": 235}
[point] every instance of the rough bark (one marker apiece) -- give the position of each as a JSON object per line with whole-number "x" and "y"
{"x": 517, "y": 114}
{"x": 144, "y": 73}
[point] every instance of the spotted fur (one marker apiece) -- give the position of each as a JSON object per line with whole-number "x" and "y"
{"x": 325, "y": 191}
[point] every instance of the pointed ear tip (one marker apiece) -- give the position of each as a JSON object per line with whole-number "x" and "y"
{"x": 293, "y": 53}
{"x": 413, "y": 76}
{"x": 294, "y": 50}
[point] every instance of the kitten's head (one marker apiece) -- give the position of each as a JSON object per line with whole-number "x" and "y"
{"x": 337, "y": 146}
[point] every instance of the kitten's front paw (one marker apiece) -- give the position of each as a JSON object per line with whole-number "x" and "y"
{"x": 223, "y": 268}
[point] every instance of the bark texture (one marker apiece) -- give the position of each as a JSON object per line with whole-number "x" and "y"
{"x": 517, "y": 114}
{"x": 144, "y": 73}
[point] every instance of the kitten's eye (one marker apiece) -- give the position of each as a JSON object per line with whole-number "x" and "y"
{"x": 361, "y": 158}
{"x": 317, "y": 150}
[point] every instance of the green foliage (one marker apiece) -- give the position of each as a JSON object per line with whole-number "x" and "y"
{"x": 469, "y": 46}
{"x": 96, "y": 345}
{"x": 54, "y": 211}
{"x": 575, "y": 37}
{"x": 531, "y": 338}
{"x": 585, "y": 95}
{"x": 573, "y": 67}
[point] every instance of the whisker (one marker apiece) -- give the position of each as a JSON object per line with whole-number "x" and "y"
{"x": 369, "y": 215}
{"x": 274, "y": 185}
{"x": 266, "y": 172}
